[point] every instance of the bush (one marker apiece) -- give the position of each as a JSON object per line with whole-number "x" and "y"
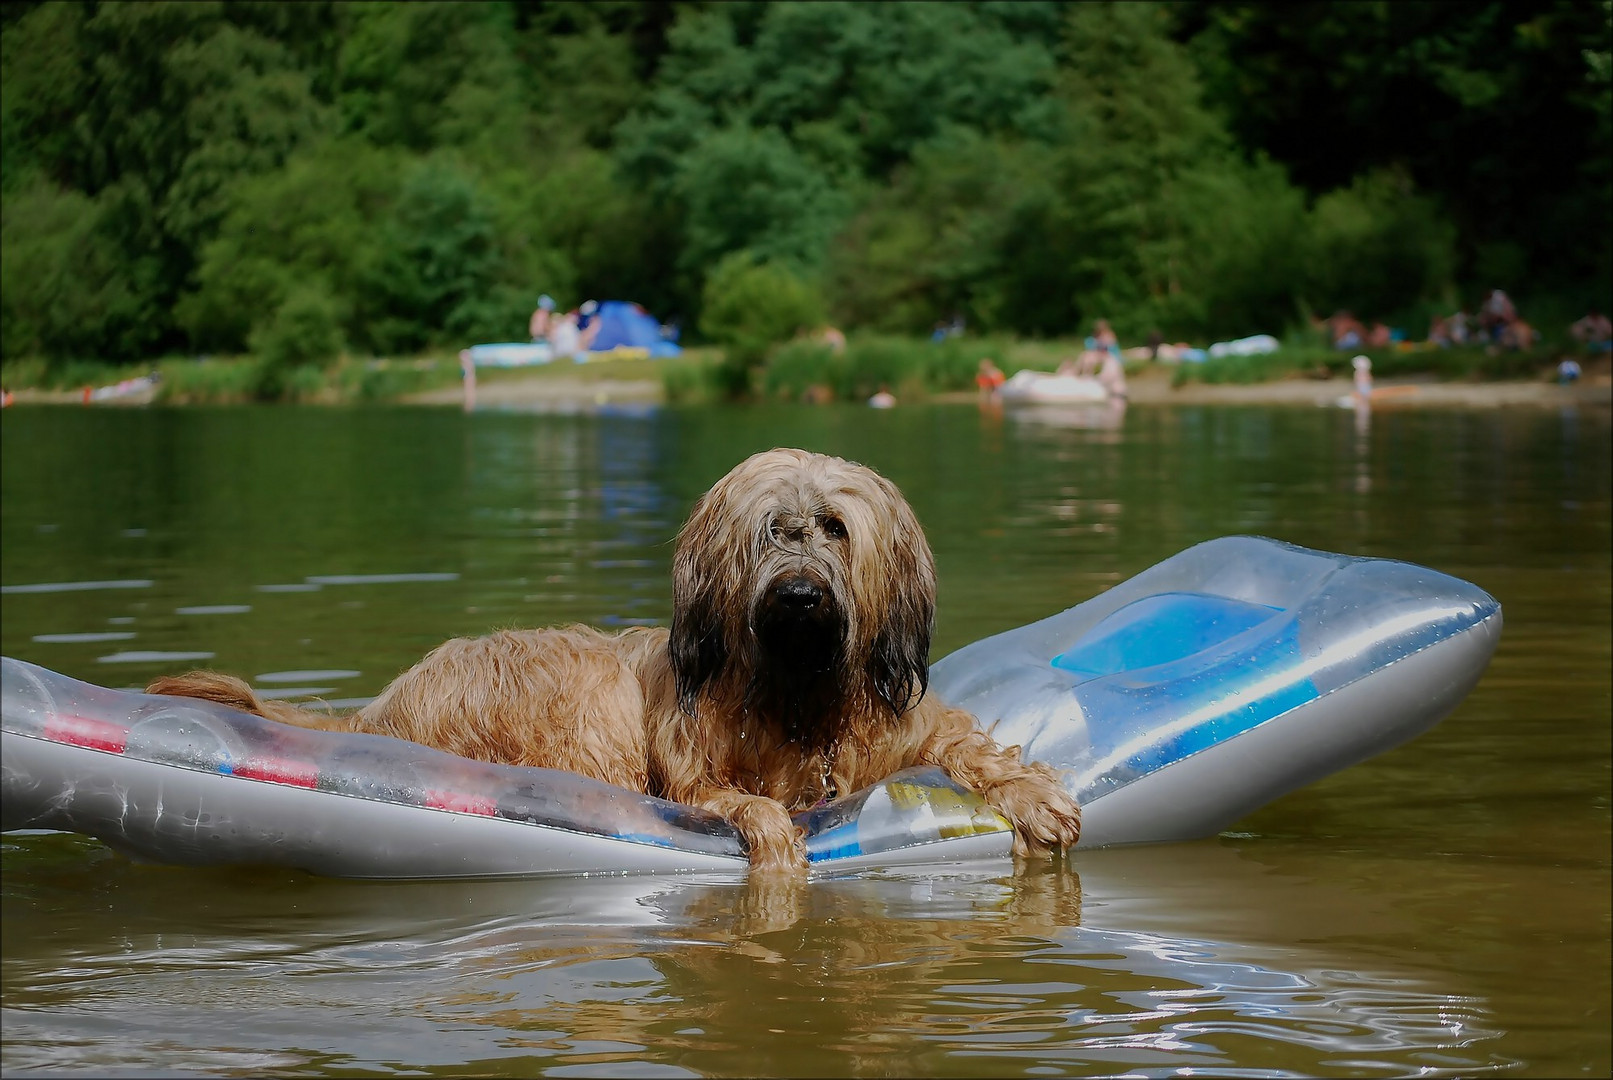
{"x": 208, "y": 382}
{"x": 797, "y": 368}
{"x": 384, "y": 380}
{"x": 690, "y": 381}
{"x": 295, "y": 347}
{"x": 952, "y": 364}
{"x": 914, "y": 366}
{"x": 305, "y": 330}
{"x": 750, "y": 307}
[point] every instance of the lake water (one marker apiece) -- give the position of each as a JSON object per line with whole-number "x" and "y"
{"x": 1443, "y": 909}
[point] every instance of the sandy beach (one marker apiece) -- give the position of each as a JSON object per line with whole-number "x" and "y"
{"x": 1596, "y": 389}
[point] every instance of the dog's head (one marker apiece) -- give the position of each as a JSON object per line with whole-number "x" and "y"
{"x": 804, "y": 584}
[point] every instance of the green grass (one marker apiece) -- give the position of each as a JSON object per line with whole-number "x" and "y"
{"x": 35, "y": 374}
{"x": 240, "y": 379}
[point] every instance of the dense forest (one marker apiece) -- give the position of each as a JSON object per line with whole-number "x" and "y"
{"x": 248, "y": 175}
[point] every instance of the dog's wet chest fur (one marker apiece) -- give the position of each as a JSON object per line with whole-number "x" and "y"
{"x": 762, "y": 760}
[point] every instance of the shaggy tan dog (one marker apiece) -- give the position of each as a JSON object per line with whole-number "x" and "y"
{"x": 795, "y": 669}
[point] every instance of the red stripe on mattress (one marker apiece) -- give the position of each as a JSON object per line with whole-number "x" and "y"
{"x": 464, "y": 804}
{"x": 295, "y": 773}
{"x": 82, "y": 731}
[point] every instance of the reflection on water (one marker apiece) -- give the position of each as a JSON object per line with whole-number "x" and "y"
{"x": 73, "y": 586}
{"x": 1443, "y": 909}
{"x": 1103, "y": 416}
{"x": 1086, "y": 969}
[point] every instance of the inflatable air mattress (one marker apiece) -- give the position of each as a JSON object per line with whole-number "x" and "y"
{"x": 1174, "y": 703}
{"x": 511, "y": 354}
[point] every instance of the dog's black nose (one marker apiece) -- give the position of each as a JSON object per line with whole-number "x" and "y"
{"x": 799, "y": 595}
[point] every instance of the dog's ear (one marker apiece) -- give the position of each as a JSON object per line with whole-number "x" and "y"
{"x": 698, "y": 646}
{"x": 899, "y": 662}
{"x": 698, "y": 650}
{"x": 899, "y": 668}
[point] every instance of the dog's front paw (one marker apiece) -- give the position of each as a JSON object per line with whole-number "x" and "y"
{"x": 1044, "y": 816}
{"x": 773, "y": 841}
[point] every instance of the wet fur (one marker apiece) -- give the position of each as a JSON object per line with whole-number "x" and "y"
{"x": 796, "y": 668}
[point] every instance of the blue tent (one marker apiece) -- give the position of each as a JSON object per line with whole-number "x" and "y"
{"x": 624, "y": 324}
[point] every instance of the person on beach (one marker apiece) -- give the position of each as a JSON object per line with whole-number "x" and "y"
{"x": 1112, "y": 374}
{"x": 1344, "y": 330}
{"x": 1594, "y": 331}
{"x": 989, "y": 378}
{"x": 467, "y": 374}
{"x": 1363, "y": 379}
{"x": 542, "y": 315}
{"x": 1496, "y": 314}
{"x": 1103, "y": 338}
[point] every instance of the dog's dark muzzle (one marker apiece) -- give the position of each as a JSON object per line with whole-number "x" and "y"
{"x": 796, "y": 597}
{"x": 798, "y": 613}
{"x": 801, "y": 631}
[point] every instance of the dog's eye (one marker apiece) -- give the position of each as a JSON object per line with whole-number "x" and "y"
{"x": 833, "y": 528}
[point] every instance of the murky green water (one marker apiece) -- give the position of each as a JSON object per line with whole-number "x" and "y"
{"x": 1442, "y": 909}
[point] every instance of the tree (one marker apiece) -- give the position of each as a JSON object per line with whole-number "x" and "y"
{"x": 956, "y": 232}
{"x": 1492, "y": 105}
{"x": 315, "y": 221}
{"x": 65, "y": 293}
{"x": 746, "y": 190}
{"x": 168, "y": 104}
{"x": 767, "y": 124}
{"x": 437, "y": 265}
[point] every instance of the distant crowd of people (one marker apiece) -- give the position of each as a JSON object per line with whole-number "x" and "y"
{"x": 1496, "y": 324}
{"x": 1345, "y": 331}
{"x": 1594, "y": 331}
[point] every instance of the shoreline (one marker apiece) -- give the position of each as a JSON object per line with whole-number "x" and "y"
{"x": 547, "y": 391}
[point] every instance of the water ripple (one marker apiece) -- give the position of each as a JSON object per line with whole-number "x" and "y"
{"x": 306, "y": 676}
{"x": 76, "y": 586}
{"x": 94, "y": 635}
{"x": 377, "y": 579}
{"x": 137, "y": 656}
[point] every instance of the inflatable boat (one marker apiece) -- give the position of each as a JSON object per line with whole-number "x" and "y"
{"x": 1029, "y": 387}
{"x": 1173, "y": 704}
